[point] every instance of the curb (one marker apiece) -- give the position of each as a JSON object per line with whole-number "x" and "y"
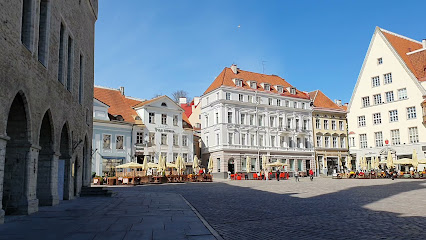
{"x": 210, "y": 228}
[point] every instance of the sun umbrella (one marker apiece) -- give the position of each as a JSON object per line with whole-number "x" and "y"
{"x": 363, "y": 163}
{"x": 348, "y": 162}
{"x": 130, "y": 165}
{"x": 195, "y": 164}
{"x": 248, "y": 164}
{"x": 178, "y": 164}
{"x": 145, "y": 163}
{"x": 182, "y": 163}
{"x": 264, "y": 162}
{"x": 415, "y": 161}
{"x": 210, "y": 166}
{"x": 377, "y": 162}
{"x": 389, "y": 160}
{"x": 340, "y": 163}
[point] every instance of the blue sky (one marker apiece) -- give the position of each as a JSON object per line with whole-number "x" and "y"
{"x": 157, "y": 47}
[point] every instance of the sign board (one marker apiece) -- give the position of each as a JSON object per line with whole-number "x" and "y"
{"x": 164, "y": 130}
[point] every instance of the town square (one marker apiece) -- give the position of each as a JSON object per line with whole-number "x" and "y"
{"x": 143, "y": 119}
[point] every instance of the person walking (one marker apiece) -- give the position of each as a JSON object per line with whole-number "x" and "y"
{"x": 278, "y": 174}
{"x": 296, "y": 175}
{"x": 311, "y": 174}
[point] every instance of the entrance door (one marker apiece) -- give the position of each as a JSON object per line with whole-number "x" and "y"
{"x": 61, "y": 175}
{"x": 231, "y": 168}
{"x": 308, "y": 166}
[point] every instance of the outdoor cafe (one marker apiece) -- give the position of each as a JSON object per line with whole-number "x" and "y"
{"x": 269, "y": 171}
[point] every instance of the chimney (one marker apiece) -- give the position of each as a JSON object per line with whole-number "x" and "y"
{"x": 346, "y": 104}
{"x": 338, "y": 102}
{"x": 424, "y": 43}
{"x": 182, "y": 100}
{"x": 121, "y": 90}
{"x": 234, "y": 68}
{"x": 196, "y": 100}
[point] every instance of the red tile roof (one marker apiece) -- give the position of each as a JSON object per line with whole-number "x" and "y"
{"x": 119, "y": 104}
{"x": 227, "y": 75}
{"x": 188, "y": 108}
{"x": 416, "y": 62}
{"x": 322, "y": 101}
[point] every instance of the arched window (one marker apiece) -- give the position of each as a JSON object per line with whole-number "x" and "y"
{"x": 163, "y": 104}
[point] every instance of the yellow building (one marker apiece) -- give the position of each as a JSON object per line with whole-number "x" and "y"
{"x": 330, "y": 133}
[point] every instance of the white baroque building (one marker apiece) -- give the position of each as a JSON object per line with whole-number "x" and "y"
{"x": 246, "y": 114}
{"x": 385, "y": 111}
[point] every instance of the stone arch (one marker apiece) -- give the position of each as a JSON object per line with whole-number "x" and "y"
{"x": 64, "y": 163}
{"x": 16, "y": 167}
{"x": 47, "y": 166}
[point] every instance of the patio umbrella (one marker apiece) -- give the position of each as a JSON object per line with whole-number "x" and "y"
{"x": 210, "y": 166}
{"x": 178, "y": 165}
{"x": 348, "y": 162}
{"x": 264, "y": 162}
{"x": 340, "y": 163}
{"x": 364, "y": 163}
{"x": 182, "y": 163}
{"x": 130, "y": 165}
{"x": 248, "y": 164}
{"x": 377, "y": 162}
{"x": 145, "y": 163}
{"x": 389, "y": 160}
{"x": 195, "y": 164}
{"x": 415, "y": 161}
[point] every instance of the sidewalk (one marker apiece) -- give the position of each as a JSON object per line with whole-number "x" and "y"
{"x": 126, "y": 215}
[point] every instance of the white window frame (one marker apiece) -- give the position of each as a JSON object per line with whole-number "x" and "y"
{"x": 378, "y": 137}
{"x": 389, "y": 96}
{"x": 387, "y": 78}
{"x": 151, "y": 118}
{"x": 365, "y": 101}
{"x": 402, "y": 94}
{"x": 395, "y": 137}
{"x": 103, "y": 142}
{"x": 411, "y": 112}
{"x": 375, "y": 81}
{"x": 164, "y": 139}
{"x": 393, "y": 115}
{"x": 413, "y": 135}
{"x": 363, "y": 141}
{"x": 377, "y": 99}
{"x": 377, "y": 118}
{"x": 164, "y": 119}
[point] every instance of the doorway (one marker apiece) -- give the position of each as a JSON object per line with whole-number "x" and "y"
{"x": 231, "y": 166}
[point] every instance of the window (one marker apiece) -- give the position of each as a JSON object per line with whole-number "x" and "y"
{"x": 280, "y": 122}
{"x": 413, "y": 135}
{"x": 272, "y": 121}
{"x": 217, "y": 118}
{"x": 238, "y": 82}
{"x": 272, "y": 141}
{"x": 282, "y": 140}
{"x": 395, "y": 137}
{"x": 184, "y": 140}
{"x": 175, "y": 140}
{"x": 26, "y": 29}
{"x": 252, "y": 142}
{"x": 287, "y": 103}
{"x": 163, "y": 104}
{"x": 251, "y": 119}
{"x": 106, "y": 142}
{"x": 280, "y": 89}
{"x": 290, "y": 142}
{"x": 342, "y": 142}
{"x": 388, "y": 78}
{"x": 363, "y": 140}
{"x": 303, "y": 106}
{"x": 393, "y": 115}
{"x": 269, "y": 101}
{"x": 175, "y": 120}
{"x": 402, "y": 93}
{"x": 218, "y": 164}
{"x": 334, "y": 142}
{"x": 43, "y": 31}
{"x": 119, "y": 142}
{"x": 243, "y": 118}
{"x": 378, "y": 136}
{"x": 318, "y": 123}
{"x": 375, "y": 81}
{"x": 152, "y": 138}
{"x": 341, "y": 125}
{"x": 293, "y": 90}
{"x": 411, "y": 112}
{"x": 139, "y": 137}
{"x": 261, "y": 140}
{"x": 377, "y": 118}
{"x": 61, "y": 54}
{"x": 306, "y": 143}
{"x": 366, "y": 101}
{"x": 253, "y": 85}
{"x": 305, "y": 124}
{"x": 327, "y": 141}
{"x": 151, "y": 117}
{"x": 230, "y": 138}
{"x": 250, "y": 99}
{"x": 379, "y": 61}
{"x": 260, "y": 120}
{"x": 81, "y": 81}
{"x": 207, "y": 121}
{"x": 217, "y": 139}
{"x": 319, "y": 141}
{"x": 267, "y": 87}
{"x": 164, "y": 119}
{"x": 295, "y": 104}
{"x": 361, "y": 121}
{"x": 289, "y": 121}
{"x": 258, "y": 100}
{"x": 163, "y": 139}
{"x": 352, "y": 141}
{"x": 377, "y": 99}
{"x": 278, "y": 102}
{"x": 325, "y": 124}
{"x": 389, "y": 96}
{"x": 333, "y": 125}
{"x": 240, "y": 97}
{"x": 229, "y": 117}
{"x": 228, "y": 96}
{"x": 70, "y": 63}
{"x": 243, "y": 139}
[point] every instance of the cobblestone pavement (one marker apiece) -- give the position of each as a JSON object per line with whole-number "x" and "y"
{"x": 322, "y": 209}
{"x": 127, "y": 215}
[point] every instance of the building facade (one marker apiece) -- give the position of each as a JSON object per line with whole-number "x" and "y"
{"x": 385, "y": 111}
{"x": 330, "y": 134}
{"x": 246, "y": 114}
{"x": 46, "y": 98}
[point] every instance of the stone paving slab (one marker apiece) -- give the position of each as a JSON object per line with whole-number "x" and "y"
{"x": 126, "y": 215}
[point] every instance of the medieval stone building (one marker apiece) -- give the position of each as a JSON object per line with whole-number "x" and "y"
{"x": 46, "y": 99}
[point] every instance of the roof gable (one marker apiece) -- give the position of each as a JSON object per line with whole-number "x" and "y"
{"x": 226, "y": 77}
{"x": 322, "y": 101}
{"x": 160, "y": 102}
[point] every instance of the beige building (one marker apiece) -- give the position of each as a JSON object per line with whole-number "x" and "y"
{"x": 385, "y": 111}
{"x": 330, "y": 133}
{"x": 46, "y": 100}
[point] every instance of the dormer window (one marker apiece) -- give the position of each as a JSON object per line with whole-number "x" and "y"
{"x": 267, "y": 87}
{"x": 280, "y": 89}
{"x": 292, "y": 90}
{"x": 238, "y": 82}
{"x": 253, "y": 84}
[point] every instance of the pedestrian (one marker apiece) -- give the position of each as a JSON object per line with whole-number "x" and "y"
{"x": 311, "y": 174}
{"x": 296, "y": 175}
{"x": 278, "y": 174}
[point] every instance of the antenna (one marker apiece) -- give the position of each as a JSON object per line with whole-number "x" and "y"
{"x": 263, "y": 66}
